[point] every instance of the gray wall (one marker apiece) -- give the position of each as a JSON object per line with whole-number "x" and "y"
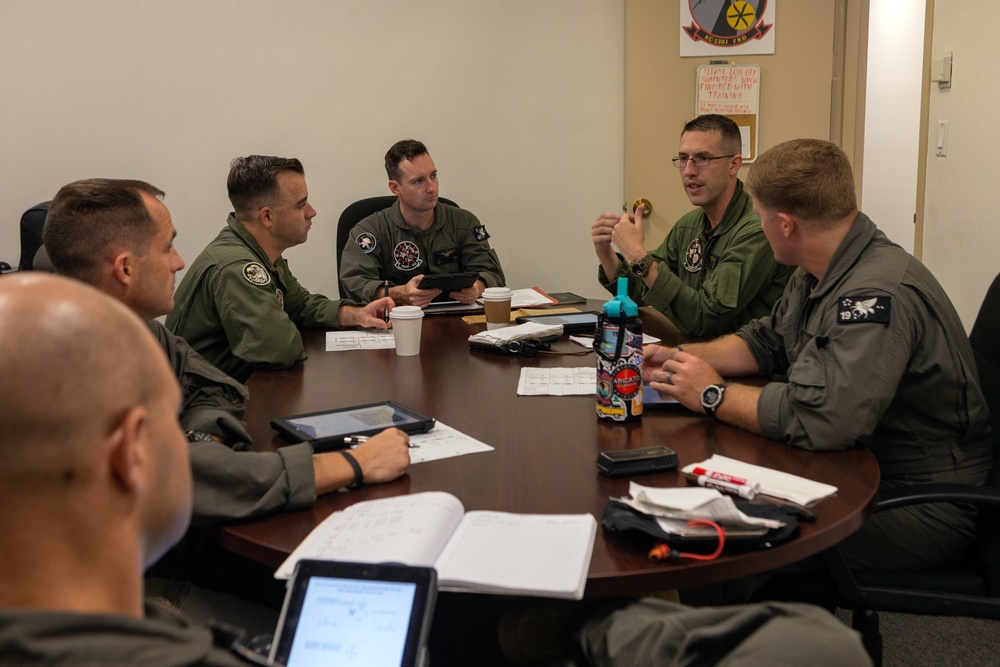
{"x": 520, "y": 103}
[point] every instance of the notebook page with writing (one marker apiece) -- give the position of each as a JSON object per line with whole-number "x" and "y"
{"x": 522, "y": 554}
{"x": 405, "y": 529}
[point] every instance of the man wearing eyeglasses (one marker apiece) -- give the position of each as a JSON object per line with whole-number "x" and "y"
{"x": 715, "y": 271}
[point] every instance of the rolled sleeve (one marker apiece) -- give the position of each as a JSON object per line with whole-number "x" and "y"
{"x": 230, "y": 485}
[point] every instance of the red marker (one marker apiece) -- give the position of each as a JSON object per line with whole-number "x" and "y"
{"x": 736, "y": 486}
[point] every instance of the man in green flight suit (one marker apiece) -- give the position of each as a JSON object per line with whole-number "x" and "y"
{"x": 715, "y": 271}
{"x": 239, "y": 304}
{"x": 417, "y": 235}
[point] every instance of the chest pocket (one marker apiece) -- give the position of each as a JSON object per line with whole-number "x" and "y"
{"x": 447, "y": 256}
{"x": 726, "y": 277}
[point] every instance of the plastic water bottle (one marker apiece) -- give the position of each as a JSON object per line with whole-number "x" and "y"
{"x": 618, "y": 343}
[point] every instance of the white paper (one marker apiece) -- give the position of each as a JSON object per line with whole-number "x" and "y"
{"x": 528, "y": 298}
{"x": 519, "y": 553}
{"x": 690, "y": 503}
{"x": 339, "y": 341}
{"x": 443, "y": 442}
{"x": 772, "y": 482}
{"x": 557, "y": 381}
{"x": 498, "y": 552}
{"x": 406, "y": 529}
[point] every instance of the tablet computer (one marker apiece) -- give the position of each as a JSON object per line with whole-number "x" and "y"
{"x": 584, "y": 323}
{"x": 654, "y": 400}
{"x": 327, "y": 429}
{"x": 448, "y": 282}
{"x": 338, "y": 613}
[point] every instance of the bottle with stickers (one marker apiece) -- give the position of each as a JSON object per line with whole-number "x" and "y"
{"x": 618, "y": 344}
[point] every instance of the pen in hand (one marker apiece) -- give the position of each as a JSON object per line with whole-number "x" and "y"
{"x": 385, "y": 313}
{"x": 355, "y": 440}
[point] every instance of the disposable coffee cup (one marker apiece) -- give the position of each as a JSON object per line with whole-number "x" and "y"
{"x": 407, "y": 321}
{"x": 496, "y": 303}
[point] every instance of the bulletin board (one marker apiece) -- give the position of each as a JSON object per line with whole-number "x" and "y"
{"x": 733, "y": 91}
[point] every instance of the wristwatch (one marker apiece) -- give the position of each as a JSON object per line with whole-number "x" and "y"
{"x": 711, "y": 398}
{"x": 195, "y": 435}
{"x": 640, "y": 267}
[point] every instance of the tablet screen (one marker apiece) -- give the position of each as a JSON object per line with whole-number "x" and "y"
{"x": 355, "y": 614}
{"x": 355, "y": 420}
{"x": 347, "y": 622}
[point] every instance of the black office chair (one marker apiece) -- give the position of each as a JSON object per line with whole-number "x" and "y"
{"x": 968, "y": 589}
{"x": 31, "y": 234}
{"x": 357, "y": 212}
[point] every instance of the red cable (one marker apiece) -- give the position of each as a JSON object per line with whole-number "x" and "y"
{"x": 664, "y": 552}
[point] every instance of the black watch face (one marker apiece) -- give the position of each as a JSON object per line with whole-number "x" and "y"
{"x": 639, "y": 269}
{"x": 711, "y": 396}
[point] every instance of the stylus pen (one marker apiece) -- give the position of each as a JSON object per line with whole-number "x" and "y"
{"x": 355, "y": 440}
{"x": 385, "y": 313}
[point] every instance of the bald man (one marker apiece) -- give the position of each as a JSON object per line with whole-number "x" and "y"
{"x": 95, "y": 484}
{"x": 118, "y": 236}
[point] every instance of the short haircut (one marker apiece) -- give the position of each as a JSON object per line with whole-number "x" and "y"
{"x": 732, "y": 140}
{"x": 253, "y": 181}
{"x": 407, "y": 149}
{"x": 91, "y": 218}
{"x": 808, "y": 178}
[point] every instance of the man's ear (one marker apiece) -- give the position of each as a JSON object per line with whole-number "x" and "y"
{"x": 789, "y": 225}
{"x": 127, "y": 447}
{"x": 394, "y": 188}
{"x": 123, "y": 268}
{"x": 734, "y": 166}
{"x": 265, "y": 216}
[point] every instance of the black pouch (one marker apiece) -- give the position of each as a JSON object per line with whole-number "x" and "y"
{"x": 632, "y": 526}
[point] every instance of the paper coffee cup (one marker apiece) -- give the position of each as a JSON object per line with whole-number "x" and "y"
{"x": 407, "y": 322}
{"x": 496, "y": 303}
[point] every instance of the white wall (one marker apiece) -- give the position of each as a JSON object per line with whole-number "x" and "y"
{"x": 520, "y": 103}
{"x": 892, "y": 116}
{"x": 962, "y": 223}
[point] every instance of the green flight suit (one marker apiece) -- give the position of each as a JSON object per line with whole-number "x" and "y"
{"x": 161, "y": 637}
{"x": 241, "y": 312}
{"x": 231, "y": 485}
{"x": 711, "y": 281}
{"x": 875, "y": 354}
{"x": 382, "y": 247}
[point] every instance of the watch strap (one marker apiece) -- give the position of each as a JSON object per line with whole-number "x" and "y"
{"x": 359, "y": 476}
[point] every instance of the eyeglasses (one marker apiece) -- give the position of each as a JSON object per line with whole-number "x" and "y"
{"x": 700, "y": 161}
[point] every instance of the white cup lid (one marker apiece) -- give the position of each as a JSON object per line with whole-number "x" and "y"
{"x": 406, "y": 313}
{"x": 497, "y": 293}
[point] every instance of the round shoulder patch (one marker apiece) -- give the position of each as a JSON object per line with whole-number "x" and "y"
{"x": 256, "y": 274}
{"x": 366, "y": 242}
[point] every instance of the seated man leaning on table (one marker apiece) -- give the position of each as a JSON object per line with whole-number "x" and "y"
{"x": 239, "y": 304}
{"x": 118, "y": 236}
{"x": 417, "y": 235}
{"x": 96, "y": 486}
{"x": 714, "y": 272}
{"x": 872, "y": 349}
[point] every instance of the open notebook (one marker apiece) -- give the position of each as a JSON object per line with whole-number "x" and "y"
{"x": 545, "y": 555}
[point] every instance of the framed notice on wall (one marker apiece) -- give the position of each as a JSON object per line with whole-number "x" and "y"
{"x": 733, "y": 91}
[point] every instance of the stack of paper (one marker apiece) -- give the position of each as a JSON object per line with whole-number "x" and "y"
{"x": 673, "y": 508}
{"x": 772, "y": 482}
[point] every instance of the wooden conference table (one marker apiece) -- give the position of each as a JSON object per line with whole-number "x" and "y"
{"x": 544, "y": 457}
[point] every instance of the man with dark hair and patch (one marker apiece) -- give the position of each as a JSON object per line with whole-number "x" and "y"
{"x": 239, "y": 304}
{"x": 416, "y": 236}
{"x": 714, "y": 272}
{"x": 118, "y": 236}
{"x": 864, "y": 348}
